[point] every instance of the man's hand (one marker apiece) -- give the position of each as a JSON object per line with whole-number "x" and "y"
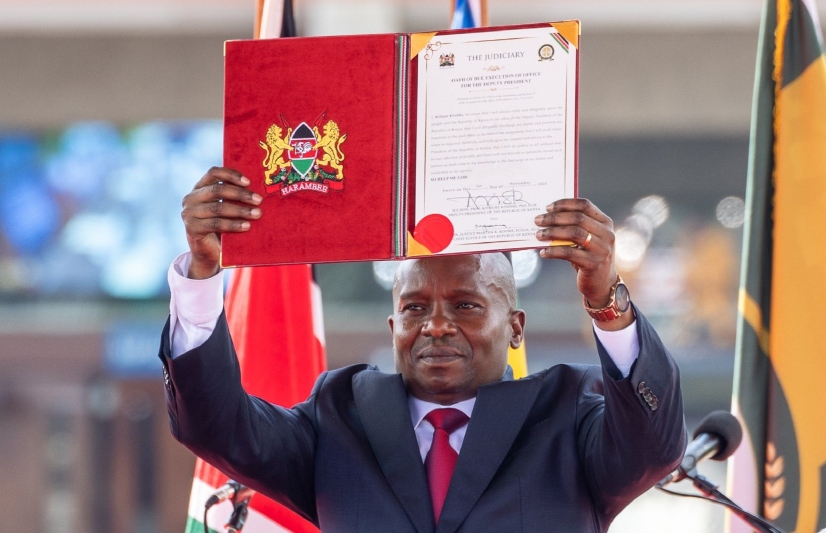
{"x": 206, "y": 214}
{"x": 574, "y": 219}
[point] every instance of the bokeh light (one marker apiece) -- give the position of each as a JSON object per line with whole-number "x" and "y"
{"x": 29, "y": 216}
{"x": 653, "y": 207}
{"x": 110, "y": 231}
{"x": 731, "y": 212}
{"x": 630, "y": 247}
{"x": 642, "y": 225}
{"x": 87, "y": 153}
{"x": 526, "y": 267}
{"x": 384, "y": 272}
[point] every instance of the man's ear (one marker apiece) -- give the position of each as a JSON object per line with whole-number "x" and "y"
{"x": 517, "y": 322}
{"x": 390, "y": 322}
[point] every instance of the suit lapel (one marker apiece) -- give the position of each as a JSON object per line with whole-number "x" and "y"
{"x": 381, "y": 401}
{"x": 498, "y": 415}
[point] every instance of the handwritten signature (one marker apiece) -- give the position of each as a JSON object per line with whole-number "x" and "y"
{"x": 510, "y": 197}
{"x": 489, "y": 226}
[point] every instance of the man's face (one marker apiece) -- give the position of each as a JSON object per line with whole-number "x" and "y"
{"x": 452, "y": 324}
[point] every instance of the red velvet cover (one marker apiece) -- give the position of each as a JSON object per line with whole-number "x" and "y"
{"x": 285, "y": 82}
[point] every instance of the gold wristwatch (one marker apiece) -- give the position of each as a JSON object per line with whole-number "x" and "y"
{"x": 618, "y": 304}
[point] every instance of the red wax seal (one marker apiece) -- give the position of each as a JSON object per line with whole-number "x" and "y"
{"x": 434, "y": 232}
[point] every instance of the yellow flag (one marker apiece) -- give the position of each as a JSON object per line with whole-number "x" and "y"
{"x": 780, "y": 470}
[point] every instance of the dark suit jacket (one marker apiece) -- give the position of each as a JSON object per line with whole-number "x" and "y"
{"x": 562, "y": 450}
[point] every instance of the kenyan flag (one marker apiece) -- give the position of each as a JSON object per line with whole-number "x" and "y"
{"x": 302, "y": 154}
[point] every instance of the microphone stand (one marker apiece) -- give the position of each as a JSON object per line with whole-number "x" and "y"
{"x": 711, "y": 490}
{"x": 713, "y": 494}
{"x": 240, "y": 509}
{"x": 239, "y": 515}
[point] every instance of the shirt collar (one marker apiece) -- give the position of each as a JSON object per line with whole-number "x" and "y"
{"x": 420, "y": 408}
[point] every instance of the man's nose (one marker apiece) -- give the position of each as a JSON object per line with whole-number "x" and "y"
{"x": 439, "y": 324}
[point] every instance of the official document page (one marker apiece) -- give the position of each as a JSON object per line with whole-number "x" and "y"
{"x": 496, "y": 133}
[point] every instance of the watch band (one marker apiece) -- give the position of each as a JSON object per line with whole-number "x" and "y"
{"x": 610, "y": 311}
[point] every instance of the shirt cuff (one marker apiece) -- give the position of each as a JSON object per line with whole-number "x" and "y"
{"x": 623, "y": 346}
{"x": 194, "y": 306}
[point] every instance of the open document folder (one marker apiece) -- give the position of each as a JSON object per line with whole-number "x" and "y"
{"x": 376, "y": 147}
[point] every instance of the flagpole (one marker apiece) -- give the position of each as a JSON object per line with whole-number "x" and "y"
{"x": 259, "y": 11}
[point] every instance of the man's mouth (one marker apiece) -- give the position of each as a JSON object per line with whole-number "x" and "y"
{"x": 439, "y": 355}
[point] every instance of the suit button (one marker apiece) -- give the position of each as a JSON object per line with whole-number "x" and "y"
{"x": 654, "y": 404}
{"x": 641, "y": 387}
{"x": 165, "y": 377}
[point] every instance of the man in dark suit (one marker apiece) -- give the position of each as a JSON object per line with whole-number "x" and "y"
{"x": 450, "y": 443}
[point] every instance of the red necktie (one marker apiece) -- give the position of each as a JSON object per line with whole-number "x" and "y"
{"x": 441, "y": 458}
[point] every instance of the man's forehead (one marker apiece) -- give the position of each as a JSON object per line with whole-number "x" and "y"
{"x": 463, "y": 272}
{"x": 439, "y": 266}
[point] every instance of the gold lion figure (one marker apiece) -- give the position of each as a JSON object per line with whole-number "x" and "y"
{"x": 331, "y": 144}
{"x": 274, "y": 159}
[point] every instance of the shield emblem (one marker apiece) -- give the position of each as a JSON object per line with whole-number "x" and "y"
{"x": 302, "y": 155}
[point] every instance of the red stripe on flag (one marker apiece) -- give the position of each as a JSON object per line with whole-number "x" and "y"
{"x": 270, "y": 316}
{"x": 209, "y": 474}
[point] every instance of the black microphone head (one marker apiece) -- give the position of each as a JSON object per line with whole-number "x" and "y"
{"x": 724, "y": 426}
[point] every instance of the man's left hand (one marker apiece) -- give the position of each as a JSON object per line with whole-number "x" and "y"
{"x": 581, "y": 222}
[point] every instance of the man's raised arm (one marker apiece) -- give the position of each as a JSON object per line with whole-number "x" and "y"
{"x": 219, "y": 203}
{"x": 630, "y": 423}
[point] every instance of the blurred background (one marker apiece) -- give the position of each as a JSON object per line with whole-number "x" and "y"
{"x": 111, "y": 111}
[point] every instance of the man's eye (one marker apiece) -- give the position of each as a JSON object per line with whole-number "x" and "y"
{"x": 466, "y": 305}
{"x": 412, "y": 307}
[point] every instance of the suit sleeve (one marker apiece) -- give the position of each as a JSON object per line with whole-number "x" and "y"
{"x": 631, "y": 430}
{"x": 266, "y": 447}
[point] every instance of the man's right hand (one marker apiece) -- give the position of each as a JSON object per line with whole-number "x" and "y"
{"x": 207, "y": 213}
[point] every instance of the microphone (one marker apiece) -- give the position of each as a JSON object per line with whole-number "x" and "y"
{"x": 716, "y": 438}
{"x": 231, "y": 490}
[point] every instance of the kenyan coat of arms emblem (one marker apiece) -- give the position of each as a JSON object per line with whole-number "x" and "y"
{"x": 304, "y": 158}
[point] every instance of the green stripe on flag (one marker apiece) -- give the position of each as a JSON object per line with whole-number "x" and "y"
{"x": 194, "y": 525}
